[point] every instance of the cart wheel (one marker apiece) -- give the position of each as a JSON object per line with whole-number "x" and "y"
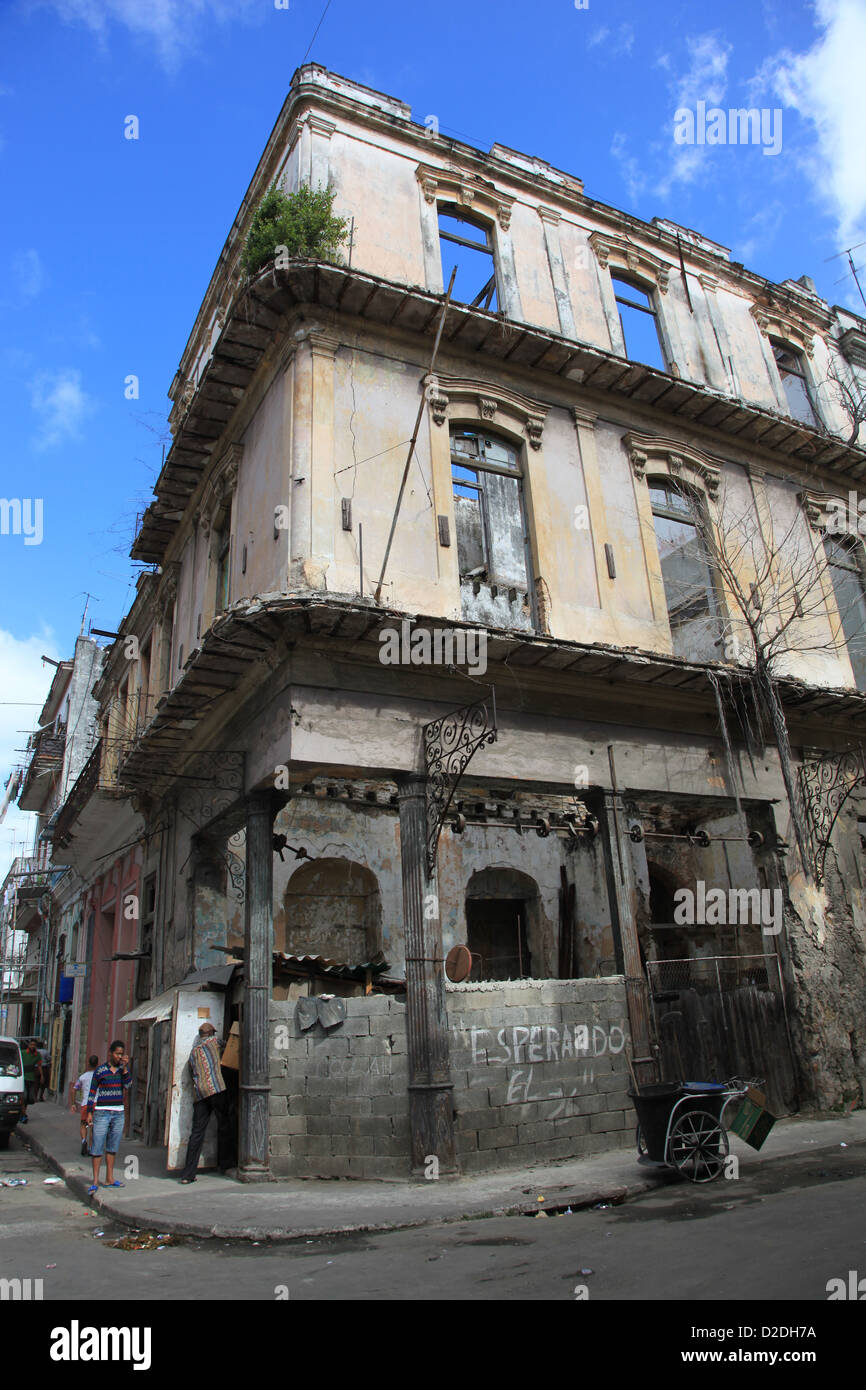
{"x": 698, "y": 1145}
{"x": 640, "y": 1142}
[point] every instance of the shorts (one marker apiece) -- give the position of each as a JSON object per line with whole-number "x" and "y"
{"x": 107, "y": 1132}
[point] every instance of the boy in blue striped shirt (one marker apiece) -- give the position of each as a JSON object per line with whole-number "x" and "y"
{"x": 105, "y": 1104}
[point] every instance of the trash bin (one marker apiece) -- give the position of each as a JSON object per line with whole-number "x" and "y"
{"x": 655, "y": 1103}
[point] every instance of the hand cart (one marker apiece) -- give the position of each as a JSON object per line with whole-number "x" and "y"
{"x": 680, "y": 1125}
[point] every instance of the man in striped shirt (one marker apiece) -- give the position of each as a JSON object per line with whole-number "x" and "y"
{"x": 105, "y": 1105}
{"x": 209, "y": 1088}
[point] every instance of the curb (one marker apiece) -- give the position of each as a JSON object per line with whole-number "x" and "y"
{"x": 578, "y": 1197}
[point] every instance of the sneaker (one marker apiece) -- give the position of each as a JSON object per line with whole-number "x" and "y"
{"x": 186, "y": 1181}
{"x": 84, "y": 1149}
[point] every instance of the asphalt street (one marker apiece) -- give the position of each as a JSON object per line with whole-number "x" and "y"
{"x": 781, "y": 1233}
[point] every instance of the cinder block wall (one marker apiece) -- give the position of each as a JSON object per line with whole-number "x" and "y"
{"x": 538, "y": 1067}
{"x": 339, "y": 1104}
{"x": 539, "y": 1070}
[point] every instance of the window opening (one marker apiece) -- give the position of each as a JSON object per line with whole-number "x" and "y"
{"x": 850, "y": 591}
{"x": 223, "y": 545}
{"x": 492, "y": 539}
{"x": 795, "y": 384}
{"x": 639, "y": 323}
{"x": 688, "y": 581}
{"x": 496, "y": 935}
{"x": 470, "y": 248}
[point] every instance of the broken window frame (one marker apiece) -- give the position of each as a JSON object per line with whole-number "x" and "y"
{"x": 692, "y": 513}
{"x": 490, "y": 290}
{"x": 835, "y": 547}
{"x": 619, "y": 278}
{"x": 797, "y": 372}
{"x": 479, "y": 467}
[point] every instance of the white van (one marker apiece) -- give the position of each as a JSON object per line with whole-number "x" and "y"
{"x": 11, "y": 1088}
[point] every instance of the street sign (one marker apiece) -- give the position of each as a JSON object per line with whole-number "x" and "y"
{"x": 76, "y": 970}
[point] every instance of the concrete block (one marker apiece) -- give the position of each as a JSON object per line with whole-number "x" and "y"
{"x": 352, "y": 1145}
{"x": 537, "y": 1133}
{"x": 369, "y": 1046}
{"x": 552, "y": 1149}
{"x": 283, "y": 1086}
{"x": 572, "y": 1127}
{"x": 316, "y": 1105}
{"x": 288, "y": 1124}
{"x": 388, "y": 1105}
{"x": 353, "y": 1026}
{"x": 353, "y": 1106}
{"x": 607, "y": 1120}
{"x": 477, "y": 1119}
{"x": 329, "y": 1124}
{"x": 326, "y": 1086}
{"x": 328, "y": 1045}
{"x": 312, "y": 1144}
{"x": 379, "y": 1026}
{"x": 497, "y": 1138}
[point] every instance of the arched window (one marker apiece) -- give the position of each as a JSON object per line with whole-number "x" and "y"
{"x": 692, "y": 603}
{"x": 844, "y": 563}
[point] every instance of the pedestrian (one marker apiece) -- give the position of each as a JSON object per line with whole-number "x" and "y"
{"x": 105, "y": 1104}
{"x": 30, "y": 1061}
{"x": 44, "y": 1069}
{"x": 82, "y": 1086}
{"x": 209, "y": 1088}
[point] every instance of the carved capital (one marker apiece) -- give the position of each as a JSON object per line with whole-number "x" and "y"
{"x": 620, "y": 254}
{"x": 487, "y": 407}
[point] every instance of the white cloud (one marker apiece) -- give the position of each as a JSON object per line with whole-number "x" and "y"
{"x": 62, "y": 405}
{"x": 617, "y": 42}
{"x": 29, "y": 274}
{"x": 174, "y": 26}
{"x": 26, "y": 682}
{"x": 826, "y": 86}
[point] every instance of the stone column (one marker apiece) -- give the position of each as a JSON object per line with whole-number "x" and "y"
{"x": 258, "y": 942}
{"x": 431, "y": 1117}
{"x": 622, "y": 891}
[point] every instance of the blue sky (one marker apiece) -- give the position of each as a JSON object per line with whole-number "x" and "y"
{"x": 108, "y": 244}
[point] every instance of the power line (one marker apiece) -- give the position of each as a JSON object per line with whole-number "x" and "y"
{"x": 313, "y": 39}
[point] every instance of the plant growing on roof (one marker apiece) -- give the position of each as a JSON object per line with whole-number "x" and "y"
{"x": 294, "y": 224}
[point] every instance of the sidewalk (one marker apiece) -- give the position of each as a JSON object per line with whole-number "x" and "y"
{"x": 305, "y": 1207}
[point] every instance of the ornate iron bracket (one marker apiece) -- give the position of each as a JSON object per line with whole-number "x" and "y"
{"x": 236, "y": 864}
{"x": 449, "y": 744}
{"x": 215, "y": 783}
{"x": 826, "y": 784}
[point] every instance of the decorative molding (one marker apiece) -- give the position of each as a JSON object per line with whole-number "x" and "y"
{"x": 853, "y": 346}
{"x": 549, "y": 215}
{"x": 167, "y": 591}
{"x": 814, "y": 504}
{"x": 489, "y": 399}
{"x": 617, "y": 253}
{"x": 467, "y": 190}
{"x": 584, "y": 417}
{"x": 671, "y": 457}
{"x": 789, "y": 327}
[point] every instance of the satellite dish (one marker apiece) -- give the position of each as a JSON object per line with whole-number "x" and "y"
{"x": 458, "y": 964}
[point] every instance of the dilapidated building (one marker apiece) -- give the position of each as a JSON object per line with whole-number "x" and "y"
{"x": 501, "y": 612}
